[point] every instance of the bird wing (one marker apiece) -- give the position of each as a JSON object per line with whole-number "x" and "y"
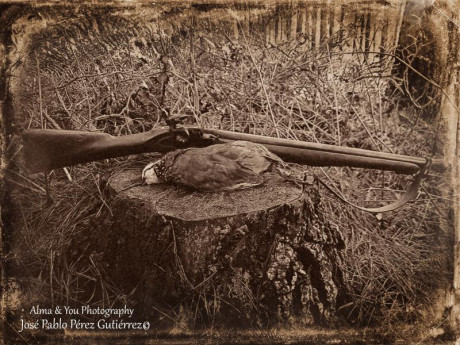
{"x": 249, "y": 155}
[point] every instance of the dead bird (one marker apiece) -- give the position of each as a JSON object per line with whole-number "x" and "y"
{"x": 215, "y": 168}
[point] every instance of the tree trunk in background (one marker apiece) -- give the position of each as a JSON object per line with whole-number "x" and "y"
{"x": 401, "y": 10}
{"x": 453, "y": 111}
{"x": 248, "y": 257}
{"x": 450, "y": 114}
{"x": 456, "y": 180}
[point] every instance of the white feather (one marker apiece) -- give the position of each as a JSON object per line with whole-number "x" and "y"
{"x": 149, "y": 175}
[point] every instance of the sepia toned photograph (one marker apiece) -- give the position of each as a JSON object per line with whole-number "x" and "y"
{"x": 230, "y": 172}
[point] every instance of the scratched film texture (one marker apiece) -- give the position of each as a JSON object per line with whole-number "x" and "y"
{"x": 369, "y": 74}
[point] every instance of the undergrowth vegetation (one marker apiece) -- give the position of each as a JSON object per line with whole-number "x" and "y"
{"x": 121, "y": 75}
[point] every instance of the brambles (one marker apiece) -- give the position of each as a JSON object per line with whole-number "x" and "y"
{"x": 122, "y": 75}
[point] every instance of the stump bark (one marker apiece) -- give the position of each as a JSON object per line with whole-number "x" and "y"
{"x": 256, "y": 256}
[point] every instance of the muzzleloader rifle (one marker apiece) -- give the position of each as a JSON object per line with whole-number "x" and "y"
{"x": 46, "y": 149}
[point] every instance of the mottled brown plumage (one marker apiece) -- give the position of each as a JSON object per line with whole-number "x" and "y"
{"x": 220, "y": 167}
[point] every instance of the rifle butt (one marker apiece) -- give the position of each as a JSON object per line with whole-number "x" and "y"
{"x": 46, "y": 149}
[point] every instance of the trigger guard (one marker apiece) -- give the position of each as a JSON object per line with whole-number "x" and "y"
{"x": 181, "y": 135}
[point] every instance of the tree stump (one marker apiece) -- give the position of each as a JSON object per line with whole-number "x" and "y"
{"x": 257, "y": 256}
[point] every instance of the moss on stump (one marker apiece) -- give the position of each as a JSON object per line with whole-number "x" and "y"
{"x": 251, "y": 257}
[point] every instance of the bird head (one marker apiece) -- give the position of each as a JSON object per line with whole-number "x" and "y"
{"x": 149, "y": 175}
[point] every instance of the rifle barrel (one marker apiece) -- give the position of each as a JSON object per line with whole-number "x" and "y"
{"x": 317, "y": 154}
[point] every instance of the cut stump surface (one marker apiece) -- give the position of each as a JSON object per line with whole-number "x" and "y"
{"x": 188, "y": 205}
{"x": 256, "y": 256}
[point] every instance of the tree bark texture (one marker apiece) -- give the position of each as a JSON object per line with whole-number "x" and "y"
{"x": 256, "y": 256}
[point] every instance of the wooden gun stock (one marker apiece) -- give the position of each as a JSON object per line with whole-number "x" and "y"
{"x": 46, "y": 149}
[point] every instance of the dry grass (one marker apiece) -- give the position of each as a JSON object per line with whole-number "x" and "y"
{"x": 84, "y": 74}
